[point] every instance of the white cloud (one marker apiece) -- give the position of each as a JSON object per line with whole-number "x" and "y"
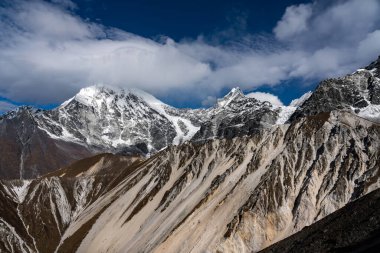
{"x": 263, "y": 96}
{"x": 337, "y": 24}
{"x": 294, "y": 21}
{"x": 369, "y": 45}
{"x": 58, "y": 53}
{"x": 332, "y": 37}
{"x": 47, "y": 53}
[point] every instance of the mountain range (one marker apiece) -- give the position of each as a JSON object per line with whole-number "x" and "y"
{"x": 113, "y": 170}
{"x": 103, "y": 119}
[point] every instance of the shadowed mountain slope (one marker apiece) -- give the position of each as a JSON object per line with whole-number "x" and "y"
{"x": 354, "y": 228}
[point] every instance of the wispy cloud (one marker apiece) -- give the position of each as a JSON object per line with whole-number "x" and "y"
{"x": 6, "y": 106}
{"x": 47, "y": 52}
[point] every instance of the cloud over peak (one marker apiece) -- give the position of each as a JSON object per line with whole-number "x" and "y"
{"x": 264, "y": 96}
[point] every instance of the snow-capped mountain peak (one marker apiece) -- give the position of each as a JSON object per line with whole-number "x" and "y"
{"x": 184, "y": 128}
{"x": 104, "y": 116}
{"x": 93, "y": 94}
{"x": 234, "y": 94}
{"x": 97, "y": 94}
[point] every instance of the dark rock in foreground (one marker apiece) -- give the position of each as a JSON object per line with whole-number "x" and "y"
{"x": 354, "y": 228}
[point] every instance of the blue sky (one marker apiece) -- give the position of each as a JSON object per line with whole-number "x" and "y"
{"x": 185, "y": 19}
{"x": 187, "y": 53}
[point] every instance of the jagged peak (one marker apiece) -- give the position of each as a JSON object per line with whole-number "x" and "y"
{"x": 299, "y": 101}
{"x": 24, "y": 108}
{"x": 102, "y": 88}
{"x": 87, "y": 94}
{"x": 236, "y": 91}
{"x": 29, "y": 110}
{"x": 234, "y": 94}
{"x": 374, "y": 65}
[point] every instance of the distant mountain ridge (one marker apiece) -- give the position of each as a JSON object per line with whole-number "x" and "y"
{"x": 103, "y": 119}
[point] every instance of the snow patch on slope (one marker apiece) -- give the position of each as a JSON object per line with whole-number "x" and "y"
{"x": 21, "y": 190}
{"x": 371, "y": 112}
{"x": 299, "y": 101}
{"x": 284, "y": 114}
{"x": 159, "y": 106}
{"x": 18, "y": 189}
{"x": 92, "y": 96}
{"x": 88, "y": 96}
{"x": 287, "y": 111}
{"x": 232, "y": 95}
{"x": 65, "y": 134}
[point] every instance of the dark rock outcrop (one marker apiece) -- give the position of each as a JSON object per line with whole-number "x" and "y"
{"x": 354, "y": 228}
{"x": 352, "y": 93}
